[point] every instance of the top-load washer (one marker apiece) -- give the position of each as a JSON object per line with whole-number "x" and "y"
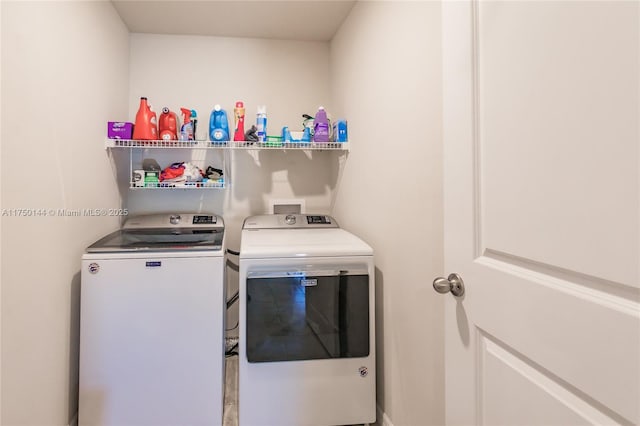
{"x": 152, "y": 323}
{"x": 307, "y": 338}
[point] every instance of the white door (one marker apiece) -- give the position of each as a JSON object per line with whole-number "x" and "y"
{"x": 542, "y": 217}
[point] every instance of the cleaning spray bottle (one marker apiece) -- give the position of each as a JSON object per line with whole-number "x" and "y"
{"x": 194, "y": 123}
{"x": 218, "y": 125}
{"x": 238, "y": 113}
{"x": 168, "y": 125}
{"x": 146, "y": 126}
{"x": 186, "y": 131}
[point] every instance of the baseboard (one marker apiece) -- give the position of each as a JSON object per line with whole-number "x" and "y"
{"x": 383, "y": 419}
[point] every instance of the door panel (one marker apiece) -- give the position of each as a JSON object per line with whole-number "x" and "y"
{"x": 542, "y": 215}
{"x": 542, "y": 398}
{"x": 558, "y": 134}
{"x": 586, "y": 340}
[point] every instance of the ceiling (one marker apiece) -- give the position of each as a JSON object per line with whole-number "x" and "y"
{"x": 309, "y": 20}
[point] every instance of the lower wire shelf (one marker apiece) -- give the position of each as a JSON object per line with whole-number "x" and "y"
{"x": 201, "y": 153}
{"x": 219, "y": 184}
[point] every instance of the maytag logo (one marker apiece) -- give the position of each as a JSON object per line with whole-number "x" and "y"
{"x": 154, "y": 264}
{"x": 309, "y": 283}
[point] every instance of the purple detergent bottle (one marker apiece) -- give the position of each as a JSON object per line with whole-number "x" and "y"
{"x": 321, "y": 126}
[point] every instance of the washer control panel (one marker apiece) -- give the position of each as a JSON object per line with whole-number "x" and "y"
{"x": 200, "y": 219}
{"x": 174, "y": 220}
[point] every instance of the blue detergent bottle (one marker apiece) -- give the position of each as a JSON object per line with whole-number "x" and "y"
{"x": 218, "y": 125}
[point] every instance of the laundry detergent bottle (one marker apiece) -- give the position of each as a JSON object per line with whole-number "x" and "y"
{"x": 146, "y": 126}
{"x": 218, "y": 125}
{"x": 321, "y": 126}
{"x": 168, "y": 125}
{"x": 238, "y": 113}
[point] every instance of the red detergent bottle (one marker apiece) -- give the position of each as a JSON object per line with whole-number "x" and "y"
{"x": 168, "y": 125}
{"x": 146, "y": 127}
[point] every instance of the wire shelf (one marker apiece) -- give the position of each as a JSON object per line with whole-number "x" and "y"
{"x": 240, "y": 145}
{"x": 226, "y": 147}
{"x": 131, "y": 143}
{"x": 314, "y": 146}
{"x": 211, "y": 184}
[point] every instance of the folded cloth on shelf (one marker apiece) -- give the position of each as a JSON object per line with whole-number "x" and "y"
{"x": 176, "y": 179}
{"x": 192, "y": 172}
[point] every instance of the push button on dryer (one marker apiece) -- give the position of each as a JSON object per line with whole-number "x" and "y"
{"x": 290, "y": 219}
{"x": 174, "y": 219}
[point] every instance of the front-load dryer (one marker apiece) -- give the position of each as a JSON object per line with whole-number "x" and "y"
{"x": 307, "y": 338}
{"x": 152, "y": 323}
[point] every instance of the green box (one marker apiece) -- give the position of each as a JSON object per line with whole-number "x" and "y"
{"x": 151, "y": 178}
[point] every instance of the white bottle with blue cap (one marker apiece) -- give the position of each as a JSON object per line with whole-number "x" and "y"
{"x": 261, "y": 123}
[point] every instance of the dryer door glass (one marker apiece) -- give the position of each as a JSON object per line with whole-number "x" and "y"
{"x": 307, "y": 317}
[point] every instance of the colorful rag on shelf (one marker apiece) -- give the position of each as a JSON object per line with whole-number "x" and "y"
{"x": 181, "y": 172}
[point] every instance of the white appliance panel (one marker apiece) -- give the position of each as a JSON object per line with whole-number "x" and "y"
{"x": 317, "y": 392}
{"x": 272, "y": 243}
{"x": 152, "y": 340}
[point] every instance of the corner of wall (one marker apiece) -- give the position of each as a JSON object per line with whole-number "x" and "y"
{"x": 386, "y": 80}
{"x": 382, "y": 418}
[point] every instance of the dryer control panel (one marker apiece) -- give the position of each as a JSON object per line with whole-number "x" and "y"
{"x": 283, "y": 221}
{"x": 322, "y": 220}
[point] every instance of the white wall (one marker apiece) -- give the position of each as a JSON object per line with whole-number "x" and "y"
{"x": 198, "y": 72}
{"x": 289, "y": 77}
{"x": 64, "y": 74}
{"x": 386, "y": 79}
